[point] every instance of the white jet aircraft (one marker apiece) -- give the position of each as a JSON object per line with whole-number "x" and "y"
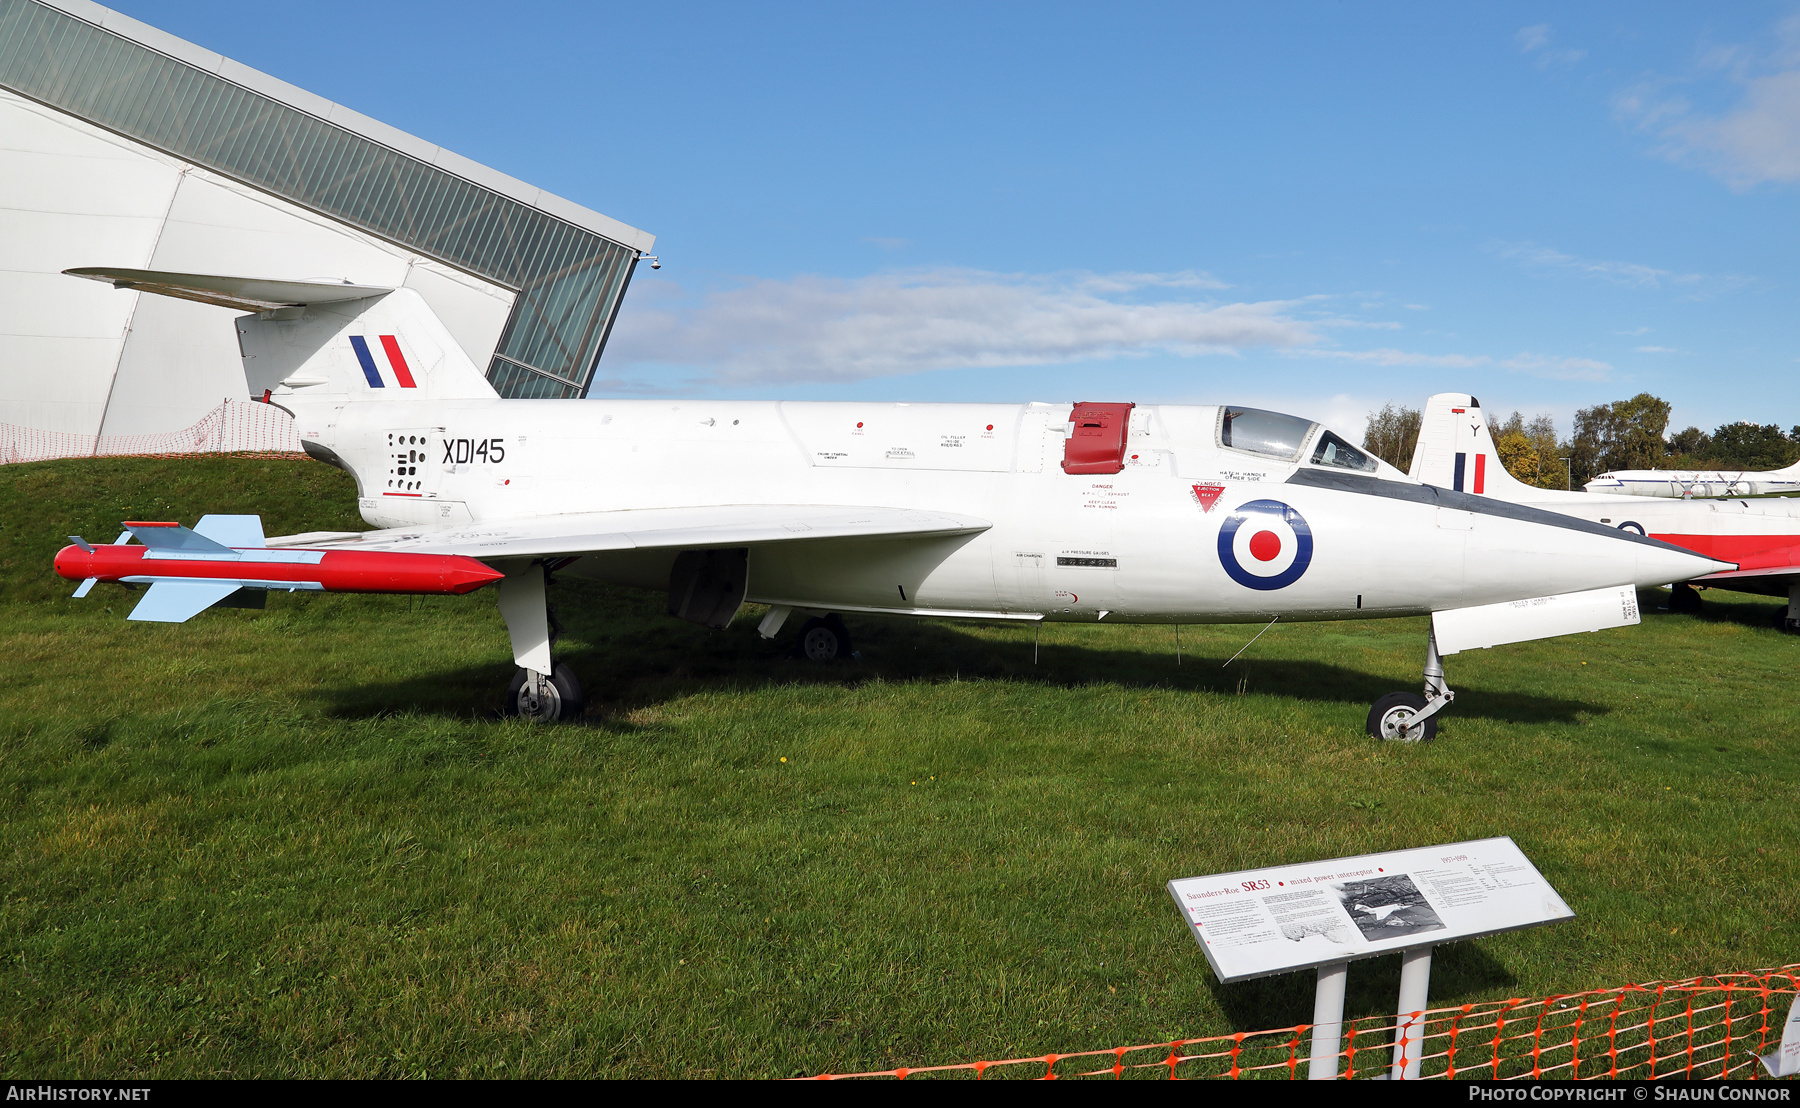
{"x": 1456, "y": 451}
{"x": 1032, "y": 512}
{"x": 1689, "y": 483}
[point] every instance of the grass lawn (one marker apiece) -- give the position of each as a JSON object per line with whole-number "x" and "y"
{"x": 298, "y": 842}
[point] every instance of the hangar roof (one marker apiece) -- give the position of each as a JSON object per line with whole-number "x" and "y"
{"x": 569, "y": 264}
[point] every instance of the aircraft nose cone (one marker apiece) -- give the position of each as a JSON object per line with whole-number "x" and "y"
{"x": 1663, "y": 563}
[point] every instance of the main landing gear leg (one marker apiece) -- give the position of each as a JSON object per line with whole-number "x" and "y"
{"x": 1683, "y": 598}
{"x": 540, "y": 690}
{"x": 1409, "y": 717}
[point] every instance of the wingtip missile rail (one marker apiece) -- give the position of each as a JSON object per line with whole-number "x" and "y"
{"x": 188, "y": 571}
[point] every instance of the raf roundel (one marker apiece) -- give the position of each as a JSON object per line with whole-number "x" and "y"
{"x": 1265, "y": 545}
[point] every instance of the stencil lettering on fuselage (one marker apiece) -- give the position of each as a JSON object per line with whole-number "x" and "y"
{"x": 1265, "y": 545}
{"x": 464, "y": 451}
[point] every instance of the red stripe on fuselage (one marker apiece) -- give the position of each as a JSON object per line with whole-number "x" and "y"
{"x": 1481, "y": 473}
{"x": 1748, "y": 551}
{"x": 398, "y": 361}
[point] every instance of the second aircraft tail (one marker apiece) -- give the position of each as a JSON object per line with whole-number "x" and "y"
{"x": 1456, "y": 451}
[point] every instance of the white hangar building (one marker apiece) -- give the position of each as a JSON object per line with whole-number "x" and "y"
{"x": 122, "y": 146}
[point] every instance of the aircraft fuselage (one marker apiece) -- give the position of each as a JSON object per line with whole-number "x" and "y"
{"x": 1186, "y": 531}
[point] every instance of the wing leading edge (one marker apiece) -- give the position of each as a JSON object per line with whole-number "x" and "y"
{"x": 651, "y": 529}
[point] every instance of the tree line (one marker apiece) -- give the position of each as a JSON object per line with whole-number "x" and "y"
{"x": 1625, "y": 434}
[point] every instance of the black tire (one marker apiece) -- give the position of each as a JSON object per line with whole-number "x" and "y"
{"x": 561, "y": 698}
{"x": 1387, "y": 719}
{"x": 1683, "y": 598}
{"x": 823, "y": 640}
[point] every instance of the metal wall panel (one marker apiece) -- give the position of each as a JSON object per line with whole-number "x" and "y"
{"x": 68, "y": 194}
{"x": 570, "y": 280}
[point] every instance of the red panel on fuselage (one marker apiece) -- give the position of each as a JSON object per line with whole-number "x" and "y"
{"x": 1096, "y": 442}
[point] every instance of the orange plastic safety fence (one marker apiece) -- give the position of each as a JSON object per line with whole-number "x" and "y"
{"x": 234, "y": 427}
{"x": 1703, "y": 1027}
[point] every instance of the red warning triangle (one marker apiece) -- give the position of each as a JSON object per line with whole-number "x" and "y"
{"x": 1208, "y": 495}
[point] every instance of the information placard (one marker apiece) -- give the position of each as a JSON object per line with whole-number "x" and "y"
{"x": 1285, "y": 918}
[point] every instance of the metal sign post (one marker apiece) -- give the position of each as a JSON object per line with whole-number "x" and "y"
{"x": 1325, "y": 915}
{"x": 1328, "y": 1022}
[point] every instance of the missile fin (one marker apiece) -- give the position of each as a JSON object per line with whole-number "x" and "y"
{"x": 180, "y": 601}
{"x": 173, "y": 536}
{"x": 82, "y": 590}
{"x": 233, "y": 531}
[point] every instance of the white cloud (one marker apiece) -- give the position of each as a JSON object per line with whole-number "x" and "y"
{"x": 1390, "y": 356}
{"x": 1537, "y": 365}
{"x": 1535, "y": 37}
{"x": 1535, "y": 40}
{"x": 841, "y": 329}
{"x": 1756, "y": 139}
{"x": 1629, "y": 274}
{"x": 1559, "y": 368}
{"x": 1657, "y": 350}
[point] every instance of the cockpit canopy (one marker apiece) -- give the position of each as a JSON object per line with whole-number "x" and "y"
{"x": 1275, "y": 435}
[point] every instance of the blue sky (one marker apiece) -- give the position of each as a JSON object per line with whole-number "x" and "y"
{"x": 1319, "y": 207}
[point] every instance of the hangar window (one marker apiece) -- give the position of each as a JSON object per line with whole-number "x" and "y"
{"x": 1333, "y": 451}
{"x": 1261, "y": 432}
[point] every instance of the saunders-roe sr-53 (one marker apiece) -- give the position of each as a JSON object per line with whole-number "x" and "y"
{"x": 1107, "y": 512}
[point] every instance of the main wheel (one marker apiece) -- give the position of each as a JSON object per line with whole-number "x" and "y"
{"x": 1390, "y": 718}
{"x": 823, "y": 640}
{"x": 544, "y": 700}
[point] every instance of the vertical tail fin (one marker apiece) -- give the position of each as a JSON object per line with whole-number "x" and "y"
{"x": 386, "y": 347}
{"x": 1456, "y": 451}
{"x": 326, "y": 340}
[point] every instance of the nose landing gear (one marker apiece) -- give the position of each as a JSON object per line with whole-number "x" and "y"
{"x": 1409, "y": 717}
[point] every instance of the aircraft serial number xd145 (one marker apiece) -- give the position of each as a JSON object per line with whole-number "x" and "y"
{"x": 1103, "y": 512}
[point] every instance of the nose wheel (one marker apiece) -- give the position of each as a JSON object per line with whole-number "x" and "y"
{"x": 1396, "y": 718}
{"x": 1407, "y": 716}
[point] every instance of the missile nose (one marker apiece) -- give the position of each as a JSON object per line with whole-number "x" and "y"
{"x": 72, "y": 563}
{"x": 465, "y": 574}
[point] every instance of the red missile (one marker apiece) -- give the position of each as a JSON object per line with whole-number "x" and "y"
{"x": 327, "y": 570}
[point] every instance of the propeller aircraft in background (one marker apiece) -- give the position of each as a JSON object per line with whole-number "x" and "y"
{"x": 1686, "y": 484}
{"x": 1106, "y": 512}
